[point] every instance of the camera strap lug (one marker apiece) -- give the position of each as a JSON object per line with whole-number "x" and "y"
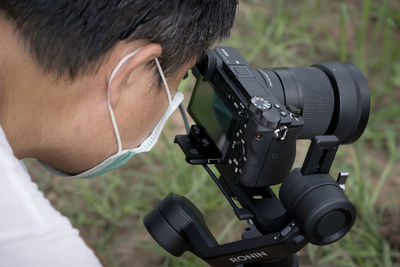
{"x": 341, "y": 180}
{"x": 281, "y": 133}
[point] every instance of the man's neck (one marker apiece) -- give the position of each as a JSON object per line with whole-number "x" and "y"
{"x": 22, "y": 91}
{"x": 16, "y": 118}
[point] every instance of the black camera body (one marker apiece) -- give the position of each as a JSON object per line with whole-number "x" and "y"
{"x": 253, "y": 130}
{"x": 248, "y": 120}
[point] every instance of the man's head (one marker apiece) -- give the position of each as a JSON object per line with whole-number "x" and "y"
{"x": 56, "y": 58}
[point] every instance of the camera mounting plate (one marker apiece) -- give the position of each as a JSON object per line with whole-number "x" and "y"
{"x": 198, "y": 147}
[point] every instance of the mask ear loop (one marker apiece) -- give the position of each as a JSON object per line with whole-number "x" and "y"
{"x": 113, "y": 120}
{"x": 164, "y": 81}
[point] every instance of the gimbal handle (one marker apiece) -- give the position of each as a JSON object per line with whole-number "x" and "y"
{"x": 190, "y": 233}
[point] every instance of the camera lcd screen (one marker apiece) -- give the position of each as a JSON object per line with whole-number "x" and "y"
{"x": 210, "y": 111}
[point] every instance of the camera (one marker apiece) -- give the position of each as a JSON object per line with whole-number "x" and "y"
{"x": 254, "y": 117}
{"x": 247, "y": 124}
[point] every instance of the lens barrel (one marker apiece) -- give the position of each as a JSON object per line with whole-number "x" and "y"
{"x": 333, "y": 99}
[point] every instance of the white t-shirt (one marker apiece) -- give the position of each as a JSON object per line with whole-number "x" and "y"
{"x": 32, "y": 232}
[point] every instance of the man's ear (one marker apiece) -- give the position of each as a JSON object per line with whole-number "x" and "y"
{"x": 121, "y": 79}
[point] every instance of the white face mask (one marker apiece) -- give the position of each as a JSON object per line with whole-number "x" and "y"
{"x": 122, "y": 156}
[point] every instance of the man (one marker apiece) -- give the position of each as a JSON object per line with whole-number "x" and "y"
{"x": 84, "y": 86}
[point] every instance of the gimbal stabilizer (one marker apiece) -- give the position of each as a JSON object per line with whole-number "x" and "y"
{"x": 317, "y": 211}
{"x": 247, "y": 124}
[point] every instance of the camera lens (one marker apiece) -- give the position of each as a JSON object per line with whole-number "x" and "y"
{"x": 333, "y": 99}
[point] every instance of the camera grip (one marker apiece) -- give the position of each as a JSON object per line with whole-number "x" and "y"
{"x": 269, "y": 159}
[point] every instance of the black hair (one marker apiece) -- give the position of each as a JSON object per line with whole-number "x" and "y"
{"x": 71, "y": 38}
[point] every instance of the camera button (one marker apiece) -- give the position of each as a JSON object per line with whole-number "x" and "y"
{"x": 283, "y": 113}
{"x": 285, "y": 231}
{"x": 194, "y": 151}
{"x": 277, "y": 106}
{"x": 294, "y": 110}
{"x": 298, "y": 239}
{"x": 238, "y": 149}
{"x": 196, "y": 129}
{"x": 205, "y": 142}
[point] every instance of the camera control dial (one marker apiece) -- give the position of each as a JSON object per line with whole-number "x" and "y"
{"x": 262, "y": 107}
{"x": 238, "y": 149}
{"x": 259, "y": 104}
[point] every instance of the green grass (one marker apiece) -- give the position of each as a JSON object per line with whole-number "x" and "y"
{"x": 108, "y": 210}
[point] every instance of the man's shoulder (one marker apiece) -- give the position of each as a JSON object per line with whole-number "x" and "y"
{"x": 5, "y": 148}
{"x": 32, "y": 232}
{"x": 8, "y": 161}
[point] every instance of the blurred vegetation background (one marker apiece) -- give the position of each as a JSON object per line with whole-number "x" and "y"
{"x": 108, "y": 210}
